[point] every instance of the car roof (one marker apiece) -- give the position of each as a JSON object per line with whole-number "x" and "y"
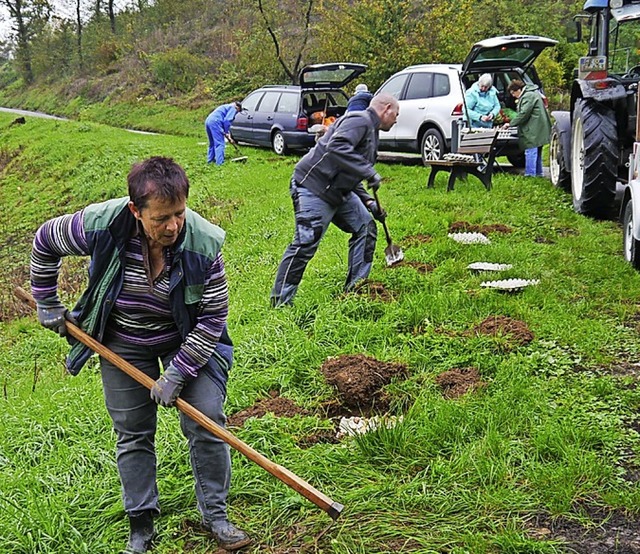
{"x": 432, "y": 66}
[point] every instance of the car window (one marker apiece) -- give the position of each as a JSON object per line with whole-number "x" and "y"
{"x": 394, "y": 85}
{"x": 251, "y": 101}
{"x": 268, "y": 102}
{"x": 288, "y": 103}
{"x": 441, "y": 85}
{"x": 420, "y": 86}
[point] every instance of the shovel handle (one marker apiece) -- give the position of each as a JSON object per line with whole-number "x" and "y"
{"x": 384, "y": 223}
{"x": 279, "y": 472}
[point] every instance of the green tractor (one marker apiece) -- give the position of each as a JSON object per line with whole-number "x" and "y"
{"x": 591, "y": 144}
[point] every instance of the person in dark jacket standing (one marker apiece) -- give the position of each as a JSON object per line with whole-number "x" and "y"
{"x": 360, "y": 100}
{"x": 327, "y": 188}
{"x": 217, "y": 126}
{"x": 533, "y": 123}
{"x": 157, "y": 293}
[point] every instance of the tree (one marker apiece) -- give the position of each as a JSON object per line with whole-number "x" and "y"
{"x": 282, "y": 40}
{"x": 28, "y": 18}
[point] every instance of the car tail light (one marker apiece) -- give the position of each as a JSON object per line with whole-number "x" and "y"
{"x": 302, "y": 123}
{"x": 457, "y": 110}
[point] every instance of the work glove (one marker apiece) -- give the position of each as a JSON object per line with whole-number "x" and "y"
{"x": 167, "y": 388}
{"x": 377, "y": 212}
{"x": 53, "y": 315}
{"x": 374, "y": 182}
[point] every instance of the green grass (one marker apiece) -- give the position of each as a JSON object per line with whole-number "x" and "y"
{"x": 551, "y": 434}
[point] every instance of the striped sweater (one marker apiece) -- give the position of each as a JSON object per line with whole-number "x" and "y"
{"x": 143, "y": 312}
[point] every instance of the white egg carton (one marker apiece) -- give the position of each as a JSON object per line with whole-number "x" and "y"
{"x": 487, "y": 266}
{"x": 510, "y": 284}
{"x": 351, "y": 426}
{"x": 470, "y": 238}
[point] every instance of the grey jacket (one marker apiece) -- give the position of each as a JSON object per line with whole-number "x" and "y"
{"x": 342, "y": 158}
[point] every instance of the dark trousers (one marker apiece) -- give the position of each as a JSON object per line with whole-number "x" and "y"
{"x": 134, "y": 417}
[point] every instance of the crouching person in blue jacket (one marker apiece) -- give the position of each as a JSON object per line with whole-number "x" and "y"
{"x": 157, "y": 295}
{"x": 217, "y": 126}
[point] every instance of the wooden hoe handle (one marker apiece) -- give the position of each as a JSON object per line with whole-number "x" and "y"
{"x": 283, "y": 474}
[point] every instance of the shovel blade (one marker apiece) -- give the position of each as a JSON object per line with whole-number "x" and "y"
{"x": 241, "y": 159}
{"x": 393, "y": 254}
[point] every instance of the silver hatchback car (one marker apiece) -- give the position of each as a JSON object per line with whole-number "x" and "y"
{"x": 431, "y": 95}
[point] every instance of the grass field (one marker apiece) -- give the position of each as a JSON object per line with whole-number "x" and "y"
{"x": 539, "y": 456}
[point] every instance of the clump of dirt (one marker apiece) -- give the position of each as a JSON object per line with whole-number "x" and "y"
{"x": 497, "y": 325}
{"x": 279, "y": 406}
{"x": 415, "y": 240}
{"x": 374, "y": 290}
{"x": 324, "y": 436}
{"x": 359, "y": 379}
{"x": 614, "y": 532}
{"x": 420, "y": 267}
{"x": 459, "y": 381}
{"x": 465, "y": 226}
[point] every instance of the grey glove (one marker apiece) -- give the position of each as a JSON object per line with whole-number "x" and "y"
{"x": 167, "y": 388}
{"x": 377, "y": 212}
{"x": 53, "y": 315}
{"x": 374, "y": 182}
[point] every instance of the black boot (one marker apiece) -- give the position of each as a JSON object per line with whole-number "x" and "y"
{"x": 227, "y": 535}
{"x": 141, "y": 533}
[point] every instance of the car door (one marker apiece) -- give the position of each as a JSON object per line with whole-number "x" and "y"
{"x": 393, "y": 86}
{"x": 287, "y": 110}
{"x": 265, "y": 117}
{"x": 242, "y": 126}
{"x": 414, "y": 106}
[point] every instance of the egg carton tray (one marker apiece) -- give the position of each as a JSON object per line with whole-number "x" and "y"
{"x": 470, "y": 238}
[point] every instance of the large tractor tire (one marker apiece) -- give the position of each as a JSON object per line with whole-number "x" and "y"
{"x": 594, "y": 158}
{"x": 560, "y": 177}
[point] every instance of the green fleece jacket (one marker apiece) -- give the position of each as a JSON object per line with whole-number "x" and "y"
{"x": 532, "y": 121}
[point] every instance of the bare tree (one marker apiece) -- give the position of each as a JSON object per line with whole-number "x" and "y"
{"x": 28, "y": 17}
{"x": 79, "y": 31}
{"x": 291, "y": 71}
{"x": 112, "y": 15}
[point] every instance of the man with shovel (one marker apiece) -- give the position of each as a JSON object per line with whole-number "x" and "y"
{"x": 327, "y": 188}
{"x": 157, "y": 293}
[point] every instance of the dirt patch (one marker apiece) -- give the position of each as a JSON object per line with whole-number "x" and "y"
{"x": 459, "y": 381}
{"x": 466, "y": 227}
{"x": 415, "y": 240}
{"x": 324, "y": 436}
{"x": 498, "y": 325}
{"x": 613, "y": 532}
{"x": 277, "y": 405}
{"x": 374, "y": 290}
{"x": 359, "y": 379}
{"x": 420, "y": 267}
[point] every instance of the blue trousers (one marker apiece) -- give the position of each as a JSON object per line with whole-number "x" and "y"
{"x": 215, "y": 134}
{"x": 533, "y": 162}
{"x": 134, "y": 417}
{"x": 313, "y": 216}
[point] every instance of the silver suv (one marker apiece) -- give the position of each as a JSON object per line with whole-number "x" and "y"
{"x": 431, "y": 95}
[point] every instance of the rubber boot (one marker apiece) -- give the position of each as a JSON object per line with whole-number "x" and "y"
{"x": 141, "y": 534}
{"x": 227, "y": 535}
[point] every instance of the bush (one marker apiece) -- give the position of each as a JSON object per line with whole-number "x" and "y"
{"x": 178, "y": 70}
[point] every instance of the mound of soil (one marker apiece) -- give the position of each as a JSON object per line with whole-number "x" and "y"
{"x": 279, "y": 406}
{"x": 614, "y": 533}
{"x": 459, "y": 381}
{"x": 420, "y": 267}
{"x": 466, "y": 227}
{"x": 497, "y": 325}
{"x": 374, "y": 290}
{"x": 415, "y": 240}
{"x": 359, "y": 379}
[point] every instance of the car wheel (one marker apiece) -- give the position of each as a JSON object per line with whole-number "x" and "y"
{"x": 278, "y": 144}
{"x": 432, "y": 147}
{"x": 594, "y": 158}
{"x": 560, "y": 177}
{"x": 630, "y": 246}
